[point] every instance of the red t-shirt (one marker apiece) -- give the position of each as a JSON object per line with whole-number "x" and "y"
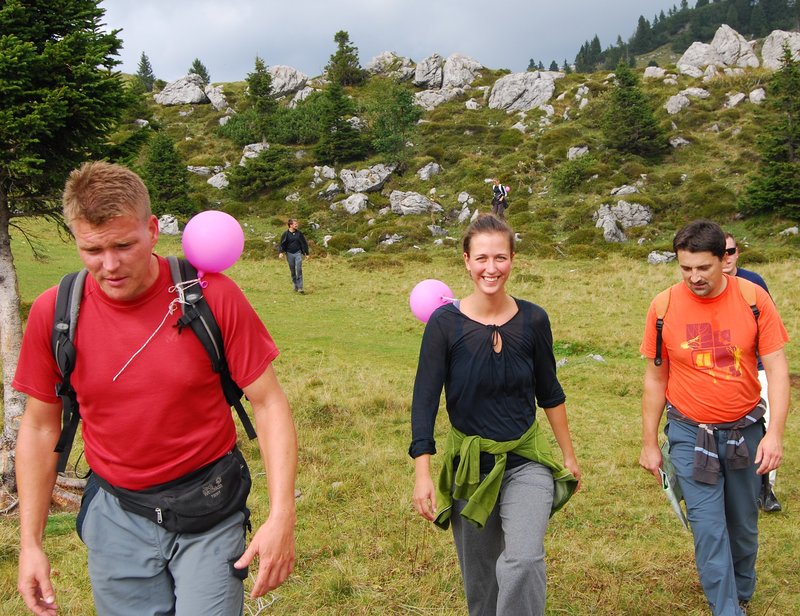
{"x": 165, "y": 415}
{"x": 710, "y": 345}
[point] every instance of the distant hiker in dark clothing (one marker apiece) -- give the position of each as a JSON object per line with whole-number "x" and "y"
{"x": 499, "y": 199}
{"x": 294, "y": 245}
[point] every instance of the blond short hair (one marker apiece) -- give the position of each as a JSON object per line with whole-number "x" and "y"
{"x": 99, "y": 191}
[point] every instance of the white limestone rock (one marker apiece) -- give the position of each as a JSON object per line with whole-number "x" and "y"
{"x": 219, "y": 180}
{"x": 391, "y": 65}
{"x": 430, "y": 72}
{"x": 409, "y": 203}
{"x": 460, "y": 71}
{"x": 286, "y": 80}
{"x": 217, "y": 97}
{"x": 366, "y": 180}
{"x": 428, "y": 171}
{"x": 431, "y": 99}
{"x": 577, "y": 151}
{"x": 677, "y": 103}
{"x": 733, "y": 48}
{"x": 168, "y": 225}
{"x": 758, "y": 96}
{"x": 695, "y": 92}
{"x": 300, "y": 96}
{"x": 522, "y": 91}
{"x": 252, "y": 150}
{"x": 654, "y": 72}
{"x": 772, "y": 50}
{"x": 733, "y": 99}
{"x": 188, "y": 90}
{"x": 353, "y": 204}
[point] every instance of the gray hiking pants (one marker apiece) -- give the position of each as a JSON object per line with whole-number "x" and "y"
{"x": 502, "y": 564}
{"x": 139, "y": 569}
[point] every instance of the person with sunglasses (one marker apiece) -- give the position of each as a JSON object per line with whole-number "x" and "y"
{"x": 767, "y": 499}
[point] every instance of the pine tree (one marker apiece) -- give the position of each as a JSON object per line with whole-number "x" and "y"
{"x": 262, "y": 101}
{"x": 629, "y": 124}
{"x": 531, "y": 65}
{"x": 566, "y": 67}
{"x": 393, "y": 116}
{"x": 776, "y": 186}
{"x": 198, "y": 68}
{"x": 166, "y": 178}
{"x": 340, "y": 142}
{"x": 343, "y": 67}
{"x": 553, "y": 66}
{"x": 60, "y": 99}
{"x": 145, "y": 73}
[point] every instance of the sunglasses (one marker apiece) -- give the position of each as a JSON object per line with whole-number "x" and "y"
{"x": 730, "y": 251}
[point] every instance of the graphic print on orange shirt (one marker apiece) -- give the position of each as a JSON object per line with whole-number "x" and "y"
{"x": 712, "y": 350}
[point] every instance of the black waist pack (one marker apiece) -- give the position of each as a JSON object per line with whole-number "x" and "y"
{"x": 195, "y": 502}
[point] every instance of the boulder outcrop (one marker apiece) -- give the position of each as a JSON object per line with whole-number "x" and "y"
{"x": 430, "y": 72}
{"x": 366, "y": 180}
{"x": 522, "y": 91}
{"x": 460, "y": 71}
{"x": 407, "y": 203}
{"x": 389, "y": 64}
{"x": 286, "y": 80}
{"x": 188, "y": 90}
{"x": 772, "y": 50}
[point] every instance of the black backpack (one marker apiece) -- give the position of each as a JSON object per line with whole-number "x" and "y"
{"x": 196, "y": 314}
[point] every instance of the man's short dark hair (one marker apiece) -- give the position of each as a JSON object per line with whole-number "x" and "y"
{"x": 701, "y": 236}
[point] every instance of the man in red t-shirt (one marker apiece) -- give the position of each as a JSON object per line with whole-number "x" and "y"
{"x": 709, "y": 383}
{"x": 153, "y": 412}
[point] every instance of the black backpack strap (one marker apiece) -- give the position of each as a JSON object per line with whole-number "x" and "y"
{"x": 748, "y": 291}
{"x": 65, "y": 320}
{"x": 197, "y": 315}
{"x": 661, "y": 305}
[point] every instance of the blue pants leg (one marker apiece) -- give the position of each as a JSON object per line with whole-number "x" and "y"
{"x": 723, "y": 518}
{"x": 295, "y": 261}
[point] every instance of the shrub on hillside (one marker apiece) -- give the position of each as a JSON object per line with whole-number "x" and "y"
{"x": 343, "y": 241}
{"x": 271, "y": 169}
{"x": 572, "y": 173}
{"x": 629, "y": 124}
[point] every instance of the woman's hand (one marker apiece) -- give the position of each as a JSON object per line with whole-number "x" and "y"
{"x": 424, "y": 492}
{"x": 573, "y": 467}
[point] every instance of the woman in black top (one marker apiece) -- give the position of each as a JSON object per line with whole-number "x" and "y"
{"x": 493, "y": 355}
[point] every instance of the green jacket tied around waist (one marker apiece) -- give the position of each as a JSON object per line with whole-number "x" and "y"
{"x": 466, "y": 483}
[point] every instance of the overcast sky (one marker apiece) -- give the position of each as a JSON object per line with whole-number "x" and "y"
{"x": 227, "y": 36}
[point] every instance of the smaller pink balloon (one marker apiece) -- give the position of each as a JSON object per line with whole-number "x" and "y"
{"x": 212, "y": 241}
{"x": 508, "y": 189}
{"x": 427, "y": 296}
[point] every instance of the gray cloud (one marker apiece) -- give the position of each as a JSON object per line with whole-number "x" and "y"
{"x": 299, "y": 33}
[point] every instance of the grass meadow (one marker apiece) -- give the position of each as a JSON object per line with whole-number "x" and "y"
{"x": 348, "y": 357}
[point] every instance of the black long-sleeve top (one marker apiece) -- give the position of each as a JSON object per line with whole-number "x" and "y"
{"x": 294, "y": 241}
{"x": 493, "y": 395}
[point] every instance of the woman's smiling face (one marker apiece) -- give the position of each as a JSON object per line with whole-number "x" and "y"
{"x": 489, "y": 261}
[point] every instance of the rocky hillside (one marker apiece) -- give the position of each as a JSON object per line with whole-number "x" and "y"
{"x": 539, "y": 132}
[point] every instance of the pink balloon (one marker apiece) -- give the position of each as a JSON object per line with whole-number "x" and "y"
{"x": 427, "y": 296}
{"x": 212, "y": 241}
{"x": 508, "y": 189}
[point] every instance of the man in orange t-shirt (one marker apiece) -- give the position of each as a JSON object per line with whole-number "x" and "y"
{"x": 709, "y": 383}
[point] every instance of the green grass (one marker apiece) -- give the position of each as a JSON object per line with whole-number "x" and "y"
{"x": 348, "y": 356}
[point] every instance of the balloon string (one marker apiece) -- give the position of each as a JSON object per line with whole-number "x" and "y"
{"x": 180, "y": 289}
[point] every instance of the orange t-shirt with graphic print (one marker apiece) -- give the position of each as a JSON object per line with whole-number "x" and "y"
{"x": 710, "y": 346}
